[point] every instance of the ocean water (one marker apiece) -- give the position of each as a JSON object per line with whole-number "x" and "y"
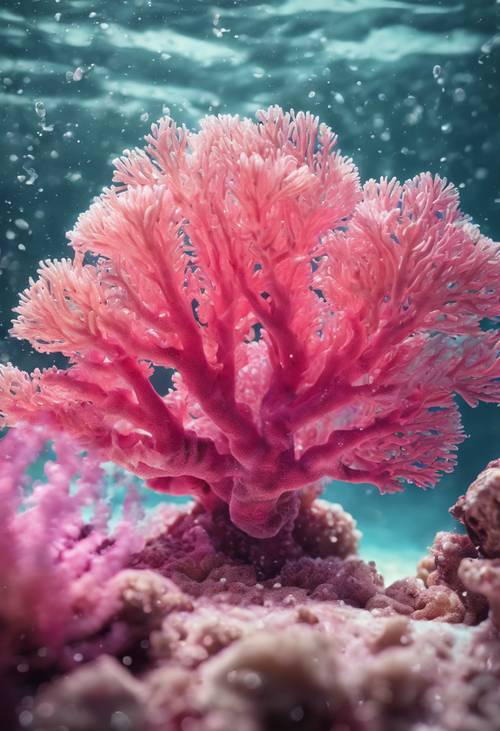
{"x": 408, "y": 85}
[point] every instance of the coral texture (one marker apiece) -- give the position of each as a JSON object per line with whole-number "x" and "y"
{"x": 313, "y": 326}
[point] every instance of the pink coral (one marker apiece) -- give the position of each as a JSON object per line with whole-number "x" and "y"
{"x": 315, "y": 327}
{"x": 55, "y": 564}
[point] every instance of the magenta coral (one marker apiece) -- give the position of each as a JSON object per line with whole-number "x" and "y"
{"x": 315, "y": 327}
{"x": 55, "y": 562}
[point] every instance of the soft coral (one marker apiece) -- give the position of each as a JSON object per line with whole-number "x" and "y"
{"x": 56, "y": 565}
{"x": 315, "y": 327}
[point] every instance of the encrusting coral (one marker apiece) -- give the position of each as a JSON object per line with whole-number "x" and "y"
{"x": 242, "y": 319}
{"x": 315, "y": 327}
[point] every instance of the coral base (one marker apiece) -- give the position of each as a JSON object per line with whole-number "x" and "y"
{"x": 211, "y": 630}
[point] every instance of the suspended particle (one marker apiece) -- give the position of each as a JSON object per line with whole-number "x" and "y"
{"x": 40, "y": 109}
{"x": 32, "y": 175}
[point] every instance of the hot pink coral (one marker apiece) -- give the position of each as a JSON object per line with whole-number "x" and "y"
{"x": 315, "y": 327}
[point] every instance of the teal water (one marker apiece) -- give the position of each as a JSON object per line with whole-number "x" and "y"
{"x": 408, "y": 86}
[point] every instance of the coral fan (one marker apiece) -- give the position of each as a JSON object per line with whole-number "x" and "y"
{"x": 314, "y": 327}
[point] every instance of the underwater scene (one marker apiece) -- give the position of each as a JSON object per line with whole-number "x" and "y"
{"x": 250, "y": 365}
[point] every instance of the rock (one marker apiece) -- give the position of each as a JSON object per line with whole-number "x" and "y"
{"x": 479, "y": 511}
{"x": 100, "y": 696}
{"x": 278, "y": 681}
{"x": 483, "y": 577}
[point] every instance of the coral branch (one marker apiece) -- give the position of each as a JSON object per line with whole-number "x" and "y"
{"x": 311, "y": 327}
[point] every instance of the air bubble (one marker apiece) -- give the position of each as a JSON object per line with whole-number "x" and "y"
{"x": 32, "y": 175}
{"x": 120, "y": 721}
{"x": 40, "y": 109}
{"x": 297, "y": 714}
{"x": 25, "y": 718}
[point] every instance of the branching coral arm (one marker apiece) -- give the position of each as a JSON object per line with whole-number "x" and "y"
{"x": 416, "y": 444}
{"x": 126, "y": 430}
{"x": 151, "y": 277}
{"x": 409, "y": 263}
{"x": 325, "y": 458}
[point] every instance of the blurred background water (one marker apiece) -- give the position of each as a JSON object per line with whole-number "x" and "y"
{"x": 409, "y": 85}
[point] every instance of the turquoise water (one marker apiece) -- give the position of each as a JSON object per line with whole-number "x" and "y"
{"x": 408, "y": 86}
